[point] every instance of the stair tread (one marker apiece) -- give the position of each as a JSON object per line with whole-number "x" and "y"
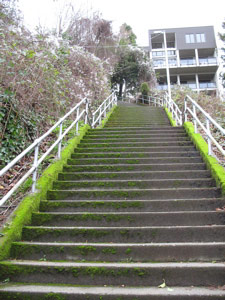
{"x": 123, "y": 244}
{"x": 115, "y": 290}
{"x": 157, "y": 265}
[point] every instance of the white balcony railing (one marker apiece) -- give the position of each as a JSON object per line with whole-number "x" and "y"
{"x": 208, "y": 61}
{"x": 207, "y": 85}
{"x": 188, "y": 62}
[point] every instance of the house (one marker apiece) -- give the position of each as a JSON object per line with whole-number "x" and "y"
{"x": 190, "y": 59}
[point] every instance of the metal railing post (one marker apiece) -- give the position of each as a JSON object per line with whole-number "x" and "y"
{"x": 195, "y": 122}
{"x": 185, "y": 110}
{"x": 93, "y": 121}
{"x": 60, "y": 138}
{"x": 77, "y": 124}
{"x": 100, "y": 114}
{"x": 208, "y": 136}
{"x": 34, "y": 179}
{"x": 176, "y": 120}
{"x": 86, "y": 111}
{"x": 105, "y": 109}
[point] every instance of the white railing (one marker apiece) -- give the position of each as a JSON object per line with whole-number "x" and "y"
{"x": 177, "y": 114}
{"x": 193, "y": 109}
{"x": 82, "y": 111}
{"x": 167, "y": 102}
{"x": 101, "y": 111}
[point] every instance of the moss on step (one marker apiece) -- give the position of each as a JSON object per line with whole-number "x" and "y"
{"x": 109, "y": 250}
{"x": 34, "y": 296}
{"x": 84, "y": 250}
{"x": 49, "y": 205}
{"x": 22, "y": 215}
{"x": 108, "y": 116}
{"x": 43, "y": 218}
{"x": 217, "y": 171}
{"x": 170, "y": 117}
{"x": 31, "y": 233}
{"x": 10, "y": 270}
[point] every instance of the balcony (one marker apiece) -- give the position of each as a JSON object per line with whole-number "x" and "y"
{"x": 159, "y": 63}
{"x": 208, "y": 61}
{"x": 162, "y": 63}
{"x": 188, "y": 62}
{"x": 192, "y": 86}
{"x": 207, "y": 85}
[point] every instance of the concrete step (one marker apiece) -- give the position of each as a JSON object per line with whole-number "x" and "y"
{"x": 36, "y": 292}
{"x": 147, "y": 234}
{"x": 133, "y": 205}
{"x": 134, "y": 184}
{"x": 139, "y": 130}
{"x": 90, "y": 176}
{"x": 124, "y": 194}
{"x": 131, "y": 274}
{"x": 137, "y": 148}
{"x": 119, "y": 252}
{"x": 77, "y": 155}
{"x": 134, "y": 167}
{"x": 109, "y": 219}
{"x": 133, "y": 125}
{"x": 134, "y": 160}
{"x": 136, "y": 139}
{"x": 148, "y": 121}
{"x": 145, "y": 123}
{"x": 153, "y": 135}
{"x": 134, "y": 144}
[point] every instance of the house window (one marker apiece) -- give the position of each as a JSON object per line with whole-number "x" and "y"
{"x": 156, "y": 45}
{"x": 158, "y": 53}
{"x": 190, "y": 38}
{"x": 171, "y": 52}
{"x": 200, "y": 38}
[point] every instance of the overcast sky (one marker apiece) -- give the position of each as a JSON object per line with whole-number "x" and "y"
{"x": 141, "y": 15}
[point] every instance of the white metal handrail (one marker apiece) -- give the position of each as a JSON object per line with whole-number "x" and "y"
{"x": 209, "y": 121}
{"x": 101, "y": 111}
{"x": 82, "y": 111}
{"x": 174, "y": 109}
{"x": 169, "y": 104}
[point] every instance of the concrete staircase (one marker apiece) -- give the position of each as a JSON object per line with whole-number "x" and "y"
{"x": 133, "y": 216}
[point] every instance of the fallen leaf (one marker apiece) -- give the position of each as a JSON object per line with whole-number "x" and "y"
{"x": 163, "y": 285}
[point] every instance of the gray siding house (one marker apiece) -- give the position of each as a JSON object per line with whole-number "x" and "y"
{"x": 191, "y": 58}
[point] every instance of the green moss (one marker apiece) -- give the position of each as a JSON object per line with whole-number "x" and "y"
{"x": 217, "y": 171}
{"x": 170, "y": 117}
{"x": 139, "y": 272}
{"x": 85, "y": 250}
{"x": 22, "y": 215}
{"x": 128, "y": 251}
{"x": 109, "y": 250}
{"x": 108, "y": 117}
{"x": 154, "y": 233}
{"x": 31, "y": 233}
{"x": 20, "y": 250}
{"x": 53, "y": 296}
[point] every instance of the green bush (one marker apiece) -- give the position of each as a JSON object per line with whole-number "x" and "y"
{"x": 145, "y": 90}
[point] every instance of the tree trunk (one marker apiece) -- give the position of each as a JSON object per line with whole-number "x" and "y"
{"x": 120, "y": 90}
{"x": 125, "y": 90}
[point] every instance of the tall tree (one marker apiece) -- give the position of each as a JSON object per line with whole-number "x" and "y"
{"x": 133, "y": 66}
